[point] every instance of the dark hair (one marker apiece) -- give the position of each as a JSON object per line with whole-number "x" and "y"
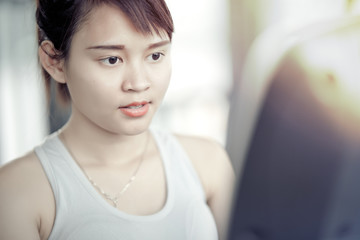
{"x": 59, "y": 20}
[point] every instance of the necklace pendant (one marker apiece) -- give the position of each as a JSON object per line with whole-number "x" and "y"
{"x": 115, "y": 201}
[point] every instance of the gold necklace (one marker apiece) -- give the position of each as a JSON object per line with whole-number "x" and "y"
{"x": 115, "y": 199}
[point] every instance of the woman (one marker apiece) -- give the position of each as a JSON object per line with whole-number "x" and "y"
{"x": 105, "y": 175}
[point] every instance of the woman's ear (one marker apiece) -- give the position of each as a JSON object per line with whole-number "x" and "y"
{"x": 50, "y": 62}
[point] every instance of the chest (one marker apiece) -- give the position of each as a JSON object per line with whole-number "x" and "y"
{"x": 165, "y": 202}
{"x": 183, "y": 215}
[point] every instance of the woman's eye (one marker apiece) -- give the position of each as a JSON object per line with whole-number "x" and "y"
{"x": 155, "y": 57}
{"x": 111, "y": 60}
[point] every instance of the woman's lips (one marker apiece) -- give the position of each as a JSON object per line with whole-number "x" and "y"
{"x": 135, "y": 109}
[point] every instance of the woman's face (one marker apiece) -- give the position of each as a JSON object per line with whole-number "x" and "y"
{"x": 117, "y": 76}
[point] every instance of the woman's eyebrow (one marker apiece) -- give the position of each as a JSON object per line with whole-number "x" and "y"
{"x": 159, "y": 44}
{"x": 107, "y": 47}
{"x": 122, "y": 47}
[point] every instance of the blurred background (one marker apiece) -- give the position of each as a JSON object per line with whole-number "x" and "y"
{"x": 211, "y": 44}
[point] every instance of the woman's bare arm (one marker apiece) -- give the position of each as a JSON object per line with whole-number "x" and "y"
{"x": 216, "y": 173}
{"x": 24, "y": 197}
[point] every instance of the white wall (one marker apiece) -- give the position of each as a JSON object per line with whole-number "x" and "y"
{"x": 22, "y": 113}
{"x": 197, "y": 99}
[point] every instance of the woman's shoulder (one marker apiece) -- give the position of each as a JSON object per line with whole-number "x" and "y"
{"x": 209, "y": 159}
{"x": 20, "y": 170}
{"x": 194, "y": 146}
{"x": 25, "y": 193}
{"x": 22, "y": 179}
{"x": 208, "y": 149}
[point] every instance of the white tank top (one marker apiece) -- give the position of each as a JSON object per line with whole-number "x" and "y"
{"x": 83, "y": 214}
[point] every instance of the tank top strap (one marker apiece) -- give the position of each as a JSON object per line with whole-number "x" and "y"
{"x": 178, "y": 161}
{"x": 46, "y": 152}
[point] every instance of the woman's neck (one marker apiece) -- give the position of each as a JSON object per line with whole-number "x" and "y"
{"x": 90, "y": 144}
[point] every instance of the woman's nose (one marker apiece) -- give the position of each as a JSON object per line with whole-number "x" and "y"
{"x": 135, "y": 79}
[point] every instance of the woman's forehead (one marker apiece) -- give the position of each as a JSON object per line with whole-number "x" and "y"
{"x": 107, "y": 24}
